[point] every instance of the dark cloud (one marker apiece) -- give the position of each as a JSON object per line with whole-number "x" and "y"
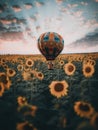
{"x": 38, "y": 4}
{"x": 5, "y": 21}
{"x": 21, "y": 21}
{"x": 2, "y": 28}
{"x": 9, "y": 20}
{"x": 28, "y": 5}
{"x": 3, "y": 7}
{"x": 11, "y": 36}
{"x": 16, "y": 8}
{"x": 89, "y": 40}
{"x": 10, "y": 24}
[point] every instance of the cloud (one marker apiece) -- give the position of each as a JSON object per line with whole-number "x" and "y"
{"x": 59, "y": 1}
{"x": 18, "y": 43}
{"x": 70, "y": 6}
{"x": 18, "y": 48}
{"x": 9, "y": 21}
{"x": 14, "y": 20}
{"x": 2, "y": 28}
{"x": 38, "y": 28}
{"x": 21, "y": 21}
{"x": 11, "y": 36}
{"x": 89, "y": 43}
{"x": 16, "y": 8}
{"x": 3, "y": 7}
{"x": 84, "y": 3}
{"x": 80, "y": 49}
{"x": 89, "y": 38}
{"x": 91, "y": 24}
{"x": 14, "y": 36}
{"x": 64, "y": 9}
{"x": 5, "y": 21}
{"x": 78, "y": 13}
{"x": 28, "y": 5}
{"x": 35, "y": 17}
{"x": 39, "y": 4}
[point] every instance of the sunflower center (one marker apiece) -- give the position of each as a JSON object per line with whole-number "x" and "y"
{"x": 31, "y": 75}
{"x": 11, "y": 71}
{"x": 23, "y": 100}
{"x": 39, "y": 74}
{"x": 26, "y": 67}
{"x": 3, "y": 60}
{"x": 3, "y": 79}
{"x": 29, "y": 62}
{"x": 20, "y": 67}
{"x": 88, "y": 69}
{"x": 84, "y": 107}
{"x": 70, "y": 68}
{"x": 62, "y": 62}
{"x": 58, "y": 87}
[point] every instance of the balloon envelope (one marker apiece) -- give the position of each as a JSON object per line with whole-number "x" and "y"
{"x": 50, "y": 45}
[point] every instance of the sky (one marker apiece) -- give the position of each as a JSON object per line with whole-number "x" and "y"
{"x": 23, "y": 21}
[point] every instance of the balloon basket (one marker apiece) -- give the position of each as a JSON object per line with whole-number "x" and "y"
{"x": 50, "y": 65}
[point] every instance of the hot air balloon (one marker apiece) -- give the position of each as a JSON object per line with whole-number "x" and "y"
{"x": 50, "y": 45}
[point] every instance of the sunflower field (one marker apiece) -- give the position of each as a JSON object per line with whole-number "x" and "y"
{"x": 32, "y": 97}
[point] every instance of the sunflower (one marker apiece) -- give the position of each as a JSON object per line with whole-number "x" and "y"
{"x": 20, "y": 67}
{"x": 5, "y": 80}
{"x": 69, "y": 68}
{"x": 3, "y": 77}
{"x": 83, "y": 109}
{"x": 58, "y": 88}
{"x": 79, "y": 58}
{"x": 8, "y": 84}
{"x": 21, "y": 101}
{"x": 88, "y": 70}
{"x": 5, "y": 66}
{"x": 20, "y": 61}
{"x": 26, "y": 68}
{"x": 40, "y": 75}
{"x": 31, "y": 110}
{"x": 27, "y": 75}
{"x": 10, "y": 72}
{"x": 89, "y": 61}
{"x": 34, "y": 72}
{"x": 61, "y": 62}
{"x": 94, "y": 121}
{"x": 29, "y": 62}
{"x": 1, "y": 89}
{"x": 3, "y": 60}
{"x": 25, "y": 126}
{"x": 70, "y": 58}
